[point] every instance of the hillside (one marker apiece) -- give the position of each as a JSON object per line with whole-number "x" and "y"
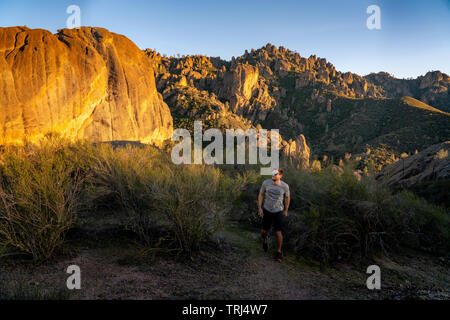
{"x": 427, "y": 173}
{"x": 405, "y": 125}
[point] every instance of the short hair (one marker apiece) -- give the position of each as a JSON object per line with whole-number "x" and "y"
{"x": 280, "y": 171}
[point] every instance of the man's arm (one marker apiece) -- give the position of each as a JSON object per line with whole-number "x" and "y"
{"x": 287, "y": 201}
{"x": 260, "y": 201}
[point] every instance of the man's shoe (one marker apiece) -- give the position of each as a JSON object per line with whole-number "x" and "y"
{"x": 278, "y": 257}
{"x": 265, "y": 246}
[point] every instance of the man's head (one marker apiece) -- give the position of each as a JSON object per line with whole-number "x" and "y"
{"x": 277, "y": 175}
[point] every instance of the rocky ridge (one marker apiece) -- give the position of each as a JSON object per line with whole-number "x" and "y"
{"x": 277, "y": 88}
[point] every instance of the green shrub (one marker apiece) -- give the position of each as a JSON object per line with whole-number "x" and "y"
{"x": 245, "y": 207}
{"x": 339, "y": 216}
{"x": 335, "y": 214}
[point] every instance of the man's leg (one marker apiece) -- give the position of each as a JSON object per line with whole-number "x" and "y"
{"x": 266, "y": 225}
{"x": 264, "y": 235}
{"x": 278, "y": 226}
{"x": 279, "y": 237}
{"x": 264, "y": 238}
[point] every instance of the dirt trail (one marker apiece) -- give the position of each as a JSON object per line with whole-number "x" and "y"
{"x": 262, "y": 277}
{"x": 235, "y": 268}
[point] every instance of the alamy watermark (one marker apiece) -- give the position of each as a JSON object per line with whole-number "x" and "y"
{"x": 374, "y": 20}
{"x": 74, "y": 280}
{"x": 74, "y": 20}
{"x": 374, "y": 281}
{"x": 215, "y": 153}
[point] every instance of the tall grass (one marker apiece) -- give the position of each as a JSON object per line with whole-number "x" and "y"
{"x": 184, "y": 204}
{"x": 43, "y": 187}
{"x": 188, "y": 200}
{"x": 121, "y": 179}
{"x": 39, "y": 197}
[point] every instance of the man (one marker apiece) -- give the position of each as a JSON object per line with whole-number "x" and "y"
{"x": 276, "y": 204}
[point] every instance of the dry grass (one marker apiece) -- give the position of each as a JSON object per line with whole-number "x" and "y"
{"x": 39, "y": 198}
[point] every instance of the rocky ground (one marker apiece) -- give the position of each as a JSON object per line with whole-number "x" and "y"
{"x": 233, "y": 267}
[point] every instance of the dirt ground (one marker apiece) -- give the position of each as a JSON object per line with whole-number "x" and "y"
{"x": 233, "y": 267}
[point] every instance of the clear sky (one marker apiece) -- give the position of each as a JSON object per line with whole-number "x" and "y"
{"x": 414, "y": 36}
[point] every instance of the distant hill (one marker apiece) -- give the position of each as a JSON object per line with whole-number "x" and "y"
{"x": 432, "y": 88}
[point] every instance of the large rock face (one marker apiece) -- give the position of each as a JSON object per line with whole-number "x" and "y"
{"x": 239, "y": 85}
{"x": 426, "y": 173}
{"x": 84, "y": 83}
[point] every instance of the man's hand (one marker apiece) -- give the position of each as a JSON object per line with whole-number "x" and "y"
{"x": 285, "y": 213}
{"x": 261, "y": 213}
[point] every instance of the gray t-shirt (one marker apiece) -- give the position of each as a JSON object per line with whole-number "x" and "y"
{"x": 274, "y": 195}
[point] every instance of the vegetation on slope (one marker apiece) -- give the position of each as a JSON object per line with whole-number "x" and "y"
{"x": 335, "y": 214}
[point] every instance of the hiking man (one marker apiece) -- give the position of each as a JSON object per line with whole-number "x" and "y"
{"x": 276, "y": 204}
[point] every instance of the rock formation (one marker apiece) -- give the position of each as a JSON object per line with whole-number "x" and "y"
{"x": 297, "y": 151}
{"x": 276, "y": 88}
{"x": 85, "y": 83}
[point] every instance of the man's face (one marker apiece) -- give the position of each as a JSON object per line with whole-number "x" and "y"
{"x": 276, "y": 175}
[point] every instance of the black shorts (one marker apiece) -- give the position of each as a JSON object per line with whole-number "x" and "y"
{"x": 275, "y": 218}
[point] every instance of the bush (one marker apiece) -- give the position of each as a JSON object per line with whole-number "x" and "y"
{"x": 182, "y": 205}
{"x": 39, "y": 197}
{"x": 335, "y": 214}
{"x": 188, "y": 198}
{"x": 43, "y": 187}
{"x": 340, "y": 215}
{"x": 245, "y": 207}
{"x": 121, "y": 181}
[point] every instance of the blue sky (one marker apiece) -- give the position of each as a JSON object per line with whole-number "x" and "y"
{"x": 414, "y": 36}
